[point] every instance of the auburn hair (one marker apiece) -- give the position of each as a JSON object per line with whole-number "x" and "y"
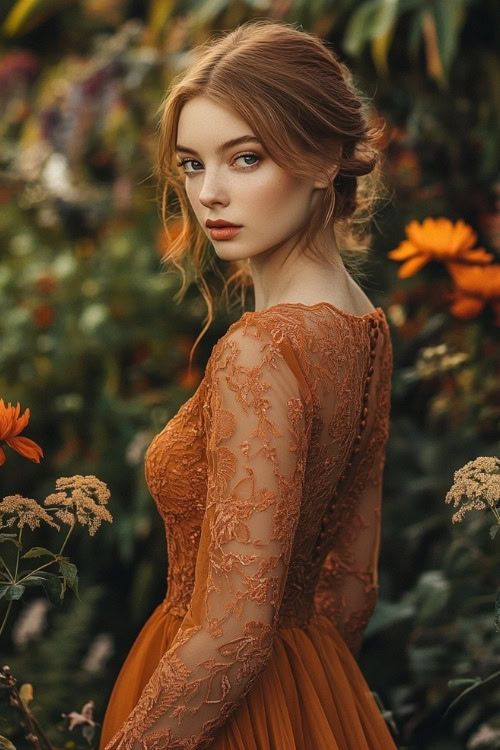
{"x": 301, "y": 102}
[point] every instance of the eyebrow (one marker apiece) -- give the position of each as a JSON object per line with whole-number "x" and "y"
{"x": 223, "y": 146}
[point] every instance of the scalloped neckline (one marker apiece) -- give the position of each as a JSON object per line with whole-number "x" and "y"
{"x": 375, "y": 311}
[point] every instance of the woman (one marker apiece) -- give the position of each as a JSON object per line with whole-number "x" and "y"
{"x": 269, "y": 477}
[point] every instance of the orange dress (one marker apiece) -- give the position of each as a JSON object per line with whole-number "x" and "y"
{"x": 268, "y": 480}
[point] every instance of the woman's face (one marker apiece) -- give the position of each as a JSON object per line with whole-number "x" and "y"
{"x": 240, "y": 184}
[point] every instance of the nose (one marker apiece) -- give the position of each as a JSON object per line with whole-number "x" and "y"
{"x": 212, "y": 190}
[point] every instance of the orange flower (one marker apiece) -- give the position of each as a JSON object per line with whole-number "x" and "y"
{"x": 475, "y": 285}
{"x": 437, "y": 239}
{"x": 11, "y": 425}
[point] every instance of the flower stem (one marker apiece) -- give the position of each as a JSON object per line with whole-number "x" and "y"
{"x": 6, "y": 568}
{"x": 46, "y": 565}
{"x": 18, "y": 550}
{"x": 67, "y": 537}
{"x": 5, "y": 618}
{"x": 35, "y": 570}
{"x": 13, "y": 581}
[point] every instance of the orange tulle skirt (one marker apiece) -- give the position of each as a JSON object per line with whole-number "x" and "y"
{"x": 311, "y": 696}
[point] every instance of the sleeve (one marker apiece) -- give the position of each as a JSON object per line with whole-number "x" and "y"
{"x": 347, "y": 587}
{"x": 256, "y": 453}
{"x": 348, "y": 584}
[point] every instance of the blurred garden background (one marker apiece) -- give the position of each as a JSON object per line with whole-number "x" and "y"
{"x": 92, "y": 342}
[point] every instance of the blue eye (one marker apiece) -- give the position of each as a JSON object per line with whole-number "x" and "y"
{"x": 252, "y": 156}
{"x": 183, "y": 162}
{"x": 186, "y": 161}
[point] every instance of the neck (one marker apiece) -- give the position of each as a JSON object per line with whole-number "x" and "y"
{"x": 286, "y": 274}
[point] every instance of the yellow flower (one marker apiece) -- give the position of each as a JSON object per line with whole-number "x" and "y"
{"x": 27, "y": 511}
{"x": 476, "y": 486}
{"x": 437, "y": 239}
{"x": 11, "y": 424}
{"x": 80, "y": 505}
{"x": 474, "y": 286}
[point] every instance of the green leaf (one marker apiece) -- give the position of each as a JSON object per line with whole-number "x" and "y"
{"x": 477, "y": 685}
{"x": 53, "y": 587}
{"x": 494, "y": 530}
{"x": 38, "y": 552}
{"x": 431, "y": 594}
{"x": 70, "y": 573}
{"x": 380, "y": 50}
{"x": 207, "y": 12}
{"x": 26, "y": 15}
{"x": 11, "y": 538}
{"x": 3, "y": 589}
{"x": 159, "y": 15}
{"x": 11, "y": 591}
{"x": 360, "y": 27}
{"x": 374, "y": 19}
{"x": 32, "y": 581}
{"x": 449, "y": 16}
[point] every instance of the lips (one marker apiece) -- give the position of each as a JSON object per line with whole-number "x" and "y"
{"x": 220, "y": 223}
{"x": 224, "y": 232}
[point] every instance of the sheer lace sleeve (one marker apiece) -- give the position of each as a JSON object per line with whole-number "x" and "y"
{"x": 257, "y": 440}
{"x": 348, "y": 585}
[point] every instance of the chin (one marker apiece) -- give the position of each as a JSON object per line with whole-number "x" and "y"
{"x": 228, "y": 253}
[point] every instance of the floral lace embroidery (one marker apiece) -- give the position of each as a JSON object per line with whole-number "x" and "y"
{"x": 271, "y": 501}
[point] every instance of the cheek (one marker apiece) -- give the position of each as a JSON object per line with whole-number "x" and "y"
{"x": 191, "y": 192}
{"x": 279, "y": 194}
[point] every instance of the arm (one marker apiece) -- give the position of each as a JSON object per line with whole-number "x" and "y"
{"x": 256, "y": 452}
{"x": 347, "y": 588}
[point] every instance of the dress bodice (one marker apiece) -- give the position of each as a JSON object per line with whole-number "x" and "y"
{"x": 335, "y": 357}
